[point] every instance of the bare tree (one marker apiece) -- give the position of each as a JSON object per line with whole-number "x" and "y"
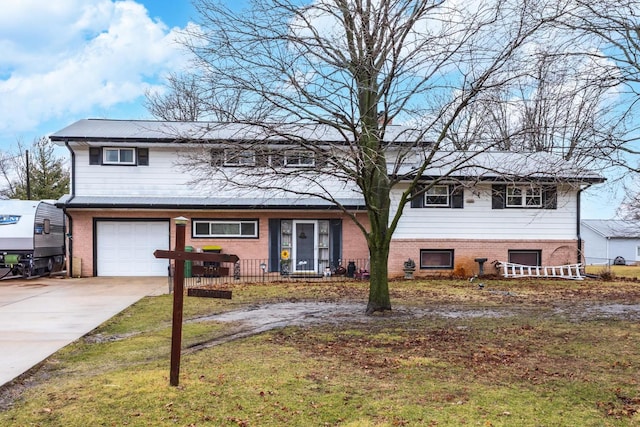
{"x": 337, "y": 64}
{"x": 182, "y": 101}
{"x": 192, "y": 97}
{"x": 608, "y": 31}
{"x": 562, "y": 105}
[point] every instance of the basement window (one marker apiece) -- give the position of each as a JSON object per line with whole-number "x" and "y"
{"x": 525, "y": 256}
{"x": 436, "y": 258}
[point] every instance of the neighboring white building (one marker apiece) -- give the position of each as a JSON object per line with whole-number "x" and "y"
{"x": 610, "y": 241}
{"x": 128, "y": 181}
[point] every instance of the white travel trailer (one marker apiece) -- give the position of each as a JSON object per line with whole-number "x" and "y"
{"x": 31, "y": 237}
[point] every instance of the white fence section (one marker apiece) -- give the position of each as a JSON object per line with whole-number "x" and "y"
{"x": 568, "y": 271}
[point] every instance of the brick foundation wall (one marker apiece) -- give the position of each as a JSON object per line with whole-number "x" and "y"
{"x": 554, "y": 252}
{"x": 353, "y": 245}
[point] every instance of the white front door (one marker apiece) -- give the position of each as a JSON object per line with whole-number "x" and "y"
{"x": 305, "y": 249}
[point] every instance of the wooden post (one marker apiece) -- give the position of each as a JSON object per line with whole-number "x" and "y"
{"x": 178, "y": 297}
{"x": 180, "y": 256}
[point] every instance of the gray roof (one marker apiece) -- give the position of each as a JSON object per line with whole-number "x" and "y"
{"x": 166, "y": 131}
{"x": 205, "y": 203}
{"x": 503, "y": 166}
{"x": 485, "y": 165}
{"x": 613, "y": 228}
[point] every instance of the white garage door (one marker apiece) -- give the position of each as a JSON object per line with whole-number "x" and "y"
{"x": 125, "y": 248}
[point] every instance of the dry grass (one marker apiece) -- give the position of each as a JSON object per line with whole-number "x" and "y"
{"x": 615, "y": 271}
{"x": 525, "y": 353}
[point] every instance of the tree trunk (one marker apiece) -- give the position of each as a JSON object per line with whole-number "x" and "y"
{"x": 379, "y": 299}
{"x": 379, "y": 237}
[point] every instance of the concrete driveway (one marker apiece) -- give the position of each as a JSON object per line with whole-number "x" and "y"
{"x": 41, "y": 315}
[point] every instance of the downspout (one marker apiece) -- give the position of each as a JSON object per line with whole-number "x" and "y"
{"x": 64, "y": 209}
{"x": 578, "y": 220}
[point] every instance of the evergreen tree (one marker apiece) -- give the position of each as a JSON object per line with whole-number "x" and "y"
{"x": 47, "y": 177}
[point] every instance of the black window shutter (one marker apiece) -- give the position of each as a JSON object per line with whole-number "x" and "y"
{"x": 95, "y": 155}
{"x": 550, "y": 197}
{"x": 274, "y": 245}
{"x": 335, "y": 242}
{"x": 498, "y": 196}
{"x": 143, "y": 157}
{"x": 417, "y": 201}
{"x": 457, "y": 197}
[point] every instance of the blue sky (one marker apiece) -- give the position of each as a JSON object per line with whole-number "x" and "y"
{"x": 65, "y": 60}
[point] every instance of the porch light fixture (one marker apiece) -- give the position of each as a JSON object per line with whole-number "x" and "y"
{"x": 181, "y": 220}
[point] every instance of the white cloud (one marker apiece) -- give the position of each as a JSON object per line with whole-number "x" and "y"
{"x": 71, "y": 56}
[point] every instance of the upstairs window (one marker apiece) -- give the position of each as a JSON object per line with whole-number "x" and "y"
{"x": 438, "y": 195}
{"x": 524, "y": 196}
{"x": 118, "y": 156}
{"x": 299, "y": 159}
{"x": 239, "y": 158}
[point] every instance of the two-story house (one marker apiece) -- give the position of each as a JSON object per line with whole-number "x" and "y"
{"x": 130, "y": 178}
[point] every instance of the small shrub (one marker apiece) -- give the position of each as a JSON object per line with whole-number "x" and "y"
{"x": 606, "y": 274}
{"x": 459, "y": 273}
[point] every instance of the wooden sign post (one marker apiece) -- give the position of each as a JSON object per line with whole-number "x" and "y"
{"x": 180, "y": 256}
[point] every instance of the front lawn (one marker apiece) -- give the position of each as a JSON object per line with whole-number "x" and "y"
{"x": 512, "y": 353}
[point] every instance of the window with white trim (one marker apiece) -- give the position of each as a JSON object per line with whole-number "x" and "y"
{"x": 524, "y": 196}
{"x": 118, "y": 156}
{"x": 299, "y": 159}
{"x": 438, "y": 195}
{"x": 239, "y": 158}
{"x": 242, "y": 229}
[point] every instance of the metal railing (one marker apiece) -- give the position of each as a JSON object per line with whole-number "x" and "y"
{"x": 258, "y": 271}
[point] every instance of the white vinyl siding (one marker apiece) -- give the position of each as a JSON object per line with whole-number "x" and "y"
{"x": 477, "y": 220}
{"x": 164, "y": 177}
